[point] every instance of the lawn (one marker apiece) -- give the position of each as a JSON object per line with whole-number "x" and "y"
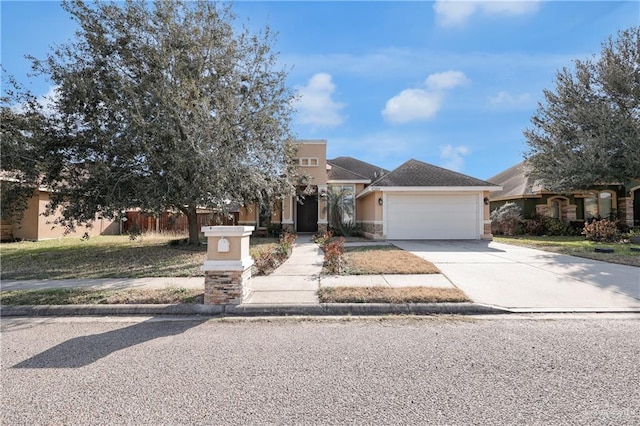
{"x": 384, "y": 259}
{"x": 577, "y": 246}
{"x": 100, "y": 297}
{"x": 105, "y": 257}
{"x": 390, "y": 295}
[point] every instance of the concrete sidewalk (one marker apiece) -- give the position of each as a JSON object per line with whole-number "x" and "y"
{"x": 290, "y": 289}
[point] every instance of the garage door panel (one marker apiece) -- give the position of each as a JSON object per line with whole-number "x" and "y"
{"x": 421, "y": 216}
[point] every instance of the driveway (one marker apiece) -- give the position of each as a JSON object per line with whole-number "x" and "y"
{"x": 522, "y": 278}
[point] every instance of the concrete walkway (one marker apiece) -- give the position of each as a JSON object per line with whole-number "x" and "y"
{"x": 524, "y": 279}
{"x": 296, "y": 281}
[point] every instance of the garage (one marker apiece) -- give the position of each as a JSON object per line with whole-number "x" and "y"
{"x": 430, "y": 216}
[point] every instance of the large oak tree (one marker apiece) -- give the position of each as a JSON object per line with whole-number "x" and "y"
{"x": 165, "y": 105}
{"x": 587, "y": 131}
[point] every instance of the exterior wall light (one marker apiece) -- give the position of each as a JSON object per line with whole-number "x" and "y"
{"x": 486, "y": 201}
{"x": 380, "y": 201}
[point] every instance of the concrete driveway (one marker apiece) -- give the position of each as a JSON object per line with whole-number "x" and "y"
{"x": 522, "y": 278}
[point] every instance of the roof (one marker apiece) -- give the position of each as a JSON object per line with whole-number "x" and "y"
{"x": 417, "y": 173}
{"x": 348, "y": 168}
{"x": 515, "y": 183}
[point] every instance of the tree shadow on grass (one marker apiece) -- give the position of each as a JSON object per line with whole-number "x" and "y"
{"x": 84, "y": 350}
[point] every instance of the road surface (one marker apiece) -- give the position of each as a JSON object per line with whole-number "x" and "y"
{"x": 154, "y": 371}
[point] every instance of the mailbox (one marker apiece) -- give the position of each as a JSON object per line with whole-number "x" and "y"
{"x": 223, "y": 245}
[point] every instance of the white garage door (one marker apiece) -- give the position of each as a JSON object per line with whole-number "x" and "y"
{"x": 432, "y": 217}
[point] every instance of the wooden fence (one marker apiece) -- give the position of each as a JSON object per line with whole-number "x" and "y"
{"x": 175, "y": 223}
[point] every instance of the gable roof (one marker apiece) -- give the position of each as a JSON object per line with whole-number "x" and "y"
{"x": 417, "y": 173}
{"x": 515, "y": 183}
{"x": 349, "y": 168}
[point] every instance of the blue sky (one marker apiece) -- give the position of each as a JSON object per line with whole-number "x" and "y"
{"x": 448, "y": 82}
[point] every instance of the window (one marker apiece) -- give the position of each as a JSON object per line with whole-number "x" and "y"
{"x": 605, "y": 204}
{"x": 598, "y": 205}
{"x": 308, "y": 161}
{"x": 555, "y": 209}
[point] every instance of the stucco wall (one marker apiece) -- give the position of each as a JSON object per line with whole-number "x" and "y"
{"x": 314, "y": 149}
{"x": 35, "y": 226}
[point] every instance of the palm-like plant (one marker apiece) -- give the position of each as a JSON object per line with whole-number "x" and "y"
{"x": 339, "y": 205}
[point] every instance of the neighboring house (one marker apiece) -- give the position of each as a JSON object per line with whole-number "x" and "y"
{"x": 414, "y": 201}
{"x": 598, "y": 201}
{"x": 36, "y": 226}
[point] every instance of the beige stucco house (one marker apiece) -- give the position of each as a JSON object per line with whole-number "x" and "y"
{"x": 415, "y": 201}
{"x": 35, "y": 225}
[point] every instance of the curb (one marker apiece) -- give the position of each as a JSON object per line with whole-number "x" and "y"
{"x": 250, "y": 310}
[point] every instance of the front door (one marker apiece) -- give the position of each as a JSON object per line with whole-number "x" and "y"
{"x": 307, "y": 214}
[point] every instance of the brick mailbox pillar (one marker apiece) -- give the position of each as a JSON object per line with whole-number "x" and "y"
{"x": 228, "y": 265}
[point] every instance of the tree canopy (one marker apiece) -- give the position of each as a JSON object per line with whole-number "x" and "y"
{"x": 23, "y": 126}
{"x": 587, "y": 131}
{"x": 164, "y": 105}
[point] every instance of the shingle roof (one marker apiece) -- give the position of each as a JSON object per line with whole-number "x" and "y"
{"x": 338, "y": 173}
{"x": 356, "y": 169}
{"x": 417, "y": 173}
{"x": 515, "y": 183}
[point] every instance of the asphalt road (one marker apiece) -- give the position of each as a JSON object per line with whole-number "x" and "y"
{"x": 376, "y": 371}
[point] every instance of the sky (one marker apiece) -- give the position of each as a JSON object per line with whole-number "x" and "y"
{"x": 451, "y": 83}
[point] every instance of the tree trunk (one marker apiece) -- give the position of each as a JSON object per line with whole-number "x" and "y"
{"x": 192, "y": 220}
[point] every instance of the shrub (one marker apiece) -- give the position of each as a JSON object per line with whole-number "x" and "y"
{"x": 603, "y": 230}
{"x": 274, "y": 229}
{"x": 334, "y": 255}
{"x": 506, "y": 219}
{"x": 554, "y": 226}
{"x": 265, "y": 261}
{"x": 287, "y": 239}
{"x": 321, "y": 238}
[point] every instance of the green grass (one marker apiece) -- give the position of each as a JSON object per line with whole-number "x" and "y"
{"x": 103, "y": 257}
{"x": 577, "y": 246}
{"x": 98, "y": 297}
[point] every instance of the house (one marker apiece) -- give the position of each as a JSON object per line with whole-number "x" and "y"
{"x": 415, "y": 201}
{"x": 621, "y": 200}
{"x": 36, "y": 226}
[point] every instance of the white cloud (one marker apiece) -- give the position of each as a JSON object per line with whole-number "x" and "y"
{"x": 506, "y": 99}
{"x": 453, "y": 156}
{"x": 454, "y": 13}
{"x": 446, "y": 80}
{"x": 315, "y": 105}
{"x": 418, "y": 104}
{"x": 412, "y": 105}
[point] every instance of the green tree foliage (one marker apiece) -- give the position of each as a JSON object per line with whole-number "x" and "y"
{"x": 23, "y": 126}
{"x": 588, "y": 130}
{"x": 163, "y": 105}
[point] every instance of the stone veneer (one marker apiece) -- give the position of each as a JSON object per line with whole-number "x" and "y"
{"x": 625, "y": 209}
{"x": 372, "y": 229}
{"x": 226, "y": 287}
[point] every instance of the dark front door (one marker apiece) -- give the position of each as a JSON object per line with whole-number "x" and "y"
{"x": 307, "y": 214}
{"x": 636, "y": 207}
